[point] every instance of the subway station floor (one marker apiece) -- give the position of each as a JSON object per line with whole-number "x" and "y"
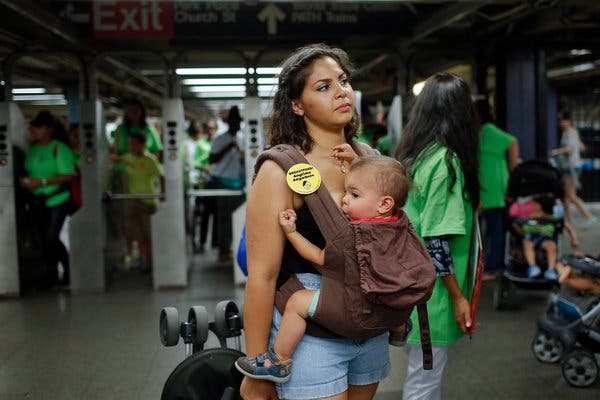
{"x": 106, "y": 346}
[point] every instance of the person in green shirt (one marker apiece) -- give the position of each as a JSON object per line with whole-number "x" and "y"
{"x": 439, "y": 148}
{"x": 498, "y": 155}
{"x": 144, "y": 174}
{"x": 50, "y": 166}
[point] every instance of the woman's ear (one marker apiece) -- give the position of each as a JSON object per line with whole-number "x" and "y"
{"x": 297, "y": 108}
{"x": 386, "y": 205}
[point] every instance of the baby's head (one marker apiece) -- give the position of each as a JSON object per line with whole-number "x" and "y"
{"x": 544, "y": 203}
{"x": 376, "y": 187}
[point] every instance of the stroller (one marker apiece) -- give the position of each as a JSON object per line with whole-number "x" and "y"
{"x": 569, "y": 330}
{"x": 204, "y": 374}
{"x": 529, "y": 179}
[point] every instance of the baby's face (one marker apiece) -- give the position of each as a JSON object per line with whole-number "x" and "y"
{"x": 361, "y": 198}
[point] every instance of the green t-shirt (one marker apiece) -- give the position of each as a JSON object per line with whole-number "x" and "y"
{"x": 434, "y": 210}
{"x": 539, "y": 229}
{"x": 121, "y": 137}
{"x": 143, "y": 174}
{"x": 44, "y": 162}
{"x": 202, "y": 152}
{"x": 493, "y": 165}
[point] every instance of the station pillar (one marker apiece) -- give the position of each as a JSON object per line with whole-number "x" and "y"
{"x": 87, "y": 231}
{"x": 168, "y": 229}
{"x": 10, "y": 125}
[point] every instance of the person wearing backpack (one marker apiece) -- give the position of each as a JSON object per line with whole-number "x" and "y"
{"x": 439, "y": 148}
{"x": 50, "y": 166}
{"x": 376, "y": 188}
{"x": 313, "y": 110}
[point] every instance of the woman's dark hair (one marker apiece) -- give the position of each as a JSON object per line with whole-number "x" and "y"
{"x": 234, "y": 120}
{"x": 565, "y": 116}
{"x": 46, "y": 118}
{"x": 443, "y": 113}
{"x": 287, "y": 127}
{"x": 192, "y": 130}
{"x": 138, "y": 103}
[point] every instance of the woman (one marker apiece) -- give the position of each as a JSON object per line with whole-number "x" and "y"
{"x": 225, "y": 173}
{"x": 314, "y": 110}
{"x": 570, "y": 167}
{"x": 50, "y": 166}
{"x": 439, "y": 146}
{"x": 135, "y": 122}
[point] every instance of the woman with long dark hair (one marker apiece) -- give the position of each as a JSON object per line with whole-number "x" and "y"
{"x": 313, "y": 110}
{"x": 439, "y": 146}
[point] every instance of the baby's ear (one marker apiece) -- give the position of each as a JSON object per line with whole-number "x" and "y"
{"x": 386, "y": 204}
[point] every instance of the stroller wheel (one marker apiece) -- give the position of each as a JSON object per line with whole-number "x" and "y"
{"x": 228, "y": 320}
{"x": 579, "y": 368}
{"x": 169, "y": 326}
{"x": 547, "y": 348}
{"x": 198, "y": 316}
{"x": 503, "y": 293}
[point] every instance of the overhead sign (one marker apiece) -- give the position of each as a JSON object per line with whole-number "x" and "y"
{"x": 132, "y": 19}
{"x": 209, "y": 20}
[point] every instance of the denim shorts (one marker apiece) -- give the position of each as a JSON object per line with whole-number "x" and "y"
{"x": 325, "y": 367}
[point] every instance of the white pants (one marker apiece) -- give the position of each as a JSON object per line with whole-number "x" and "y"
{"x": 419, "y": 383}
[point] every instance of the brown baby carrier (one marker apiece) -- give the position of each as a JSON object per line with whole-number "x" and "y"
{"x": 374, "y": 273}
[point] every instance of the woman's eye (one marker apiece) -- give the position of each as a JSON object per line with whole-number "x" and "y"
{"x": 323, "y": 88}
{"x": 345, "y": 82}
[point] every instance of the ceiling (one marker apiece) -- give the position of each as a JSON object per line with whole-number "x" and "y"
{"x": 393, "y": 44}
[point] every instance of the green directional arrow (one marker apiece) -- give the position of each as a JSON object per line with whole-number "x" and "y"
{"x": 271, "y": 14}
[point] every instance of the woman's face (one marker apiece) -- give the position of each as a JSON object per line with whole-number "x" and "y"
{"x": 40, "y": 133}
{"x": 327, "y": 100}
{"x": 134, "y": 113}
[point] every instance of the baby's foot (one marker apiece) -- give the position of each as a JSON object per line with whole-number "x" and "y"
{"x": 267, "y": 366}
{"x": 564, "y": 274}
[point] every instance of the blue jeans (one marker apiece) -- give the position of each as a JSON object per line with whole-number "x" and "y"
{"x": 495, "y": 219}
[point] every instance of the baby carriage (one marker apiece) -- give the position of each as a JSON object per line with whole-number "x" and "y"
{"x": 530, "y": 179}
{"x": 204, "y": 374}
{"x": 569, "y": 330}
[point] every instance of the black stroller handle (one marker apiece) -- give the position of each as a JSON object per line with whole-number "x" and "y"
{"x": 228, "y": 394}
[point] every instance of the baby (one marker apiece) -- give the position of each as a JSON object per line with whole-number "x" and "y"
{"x": 376, "y": 188}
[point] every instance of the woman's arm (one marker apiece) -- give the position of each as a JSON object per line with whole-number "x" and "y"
{"x": 34, "y": 183}
{"x": 513, "y": 154}
{"x": 265, "y": 242}
{"x": 462, "y": 308}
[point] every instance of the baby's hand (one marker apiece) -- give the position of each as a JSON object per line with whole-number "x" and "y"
{"x": 287, "y": 220}
{"x": 344, "y": 152}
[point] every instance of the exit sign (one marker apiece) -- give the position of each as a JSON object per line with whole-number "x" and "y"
{"x": 132, "y": 19}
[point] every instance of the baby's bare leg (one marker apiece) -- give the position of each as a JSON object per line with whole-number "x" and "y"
{"x": 550, "y": 248}
{"x": 293, "y": 323}
{"x": 529, "y": 252}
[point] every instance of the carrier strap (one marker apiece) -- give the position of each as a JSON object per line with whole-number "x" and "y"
{"x": 326, "y": 213}
{"x": 425, "y": 336}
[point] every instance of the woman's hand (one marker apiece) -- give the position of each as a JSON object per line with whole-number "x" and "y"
{"x": 252, "y": 389}
{"x": 462, "y": 315}
{"x": 30, "y": 183}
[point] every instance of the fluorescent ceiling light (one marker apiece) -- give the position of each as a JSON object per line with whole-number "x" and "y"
{"x": 417, "y": 87}
{"x": 210, "y": 71}
{"x": 221, "y": 95}
{"x": 580, "y": 52}
{"x": 267, "y": 81}
{"x": 268, "y": 70}
{"x": 207, "y": 89}
{"x": 267, "y": 88}
{"x": 573, "y": 69}
{"x": 215, "y": 81}
{"x": 39, "y": 97}
{"x": 49, "y": 103}
{"x": 28, "y": 90}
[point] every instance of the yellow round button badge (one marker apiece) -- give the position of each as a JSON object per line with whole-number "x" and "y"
{"x": 303, "y": 178}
